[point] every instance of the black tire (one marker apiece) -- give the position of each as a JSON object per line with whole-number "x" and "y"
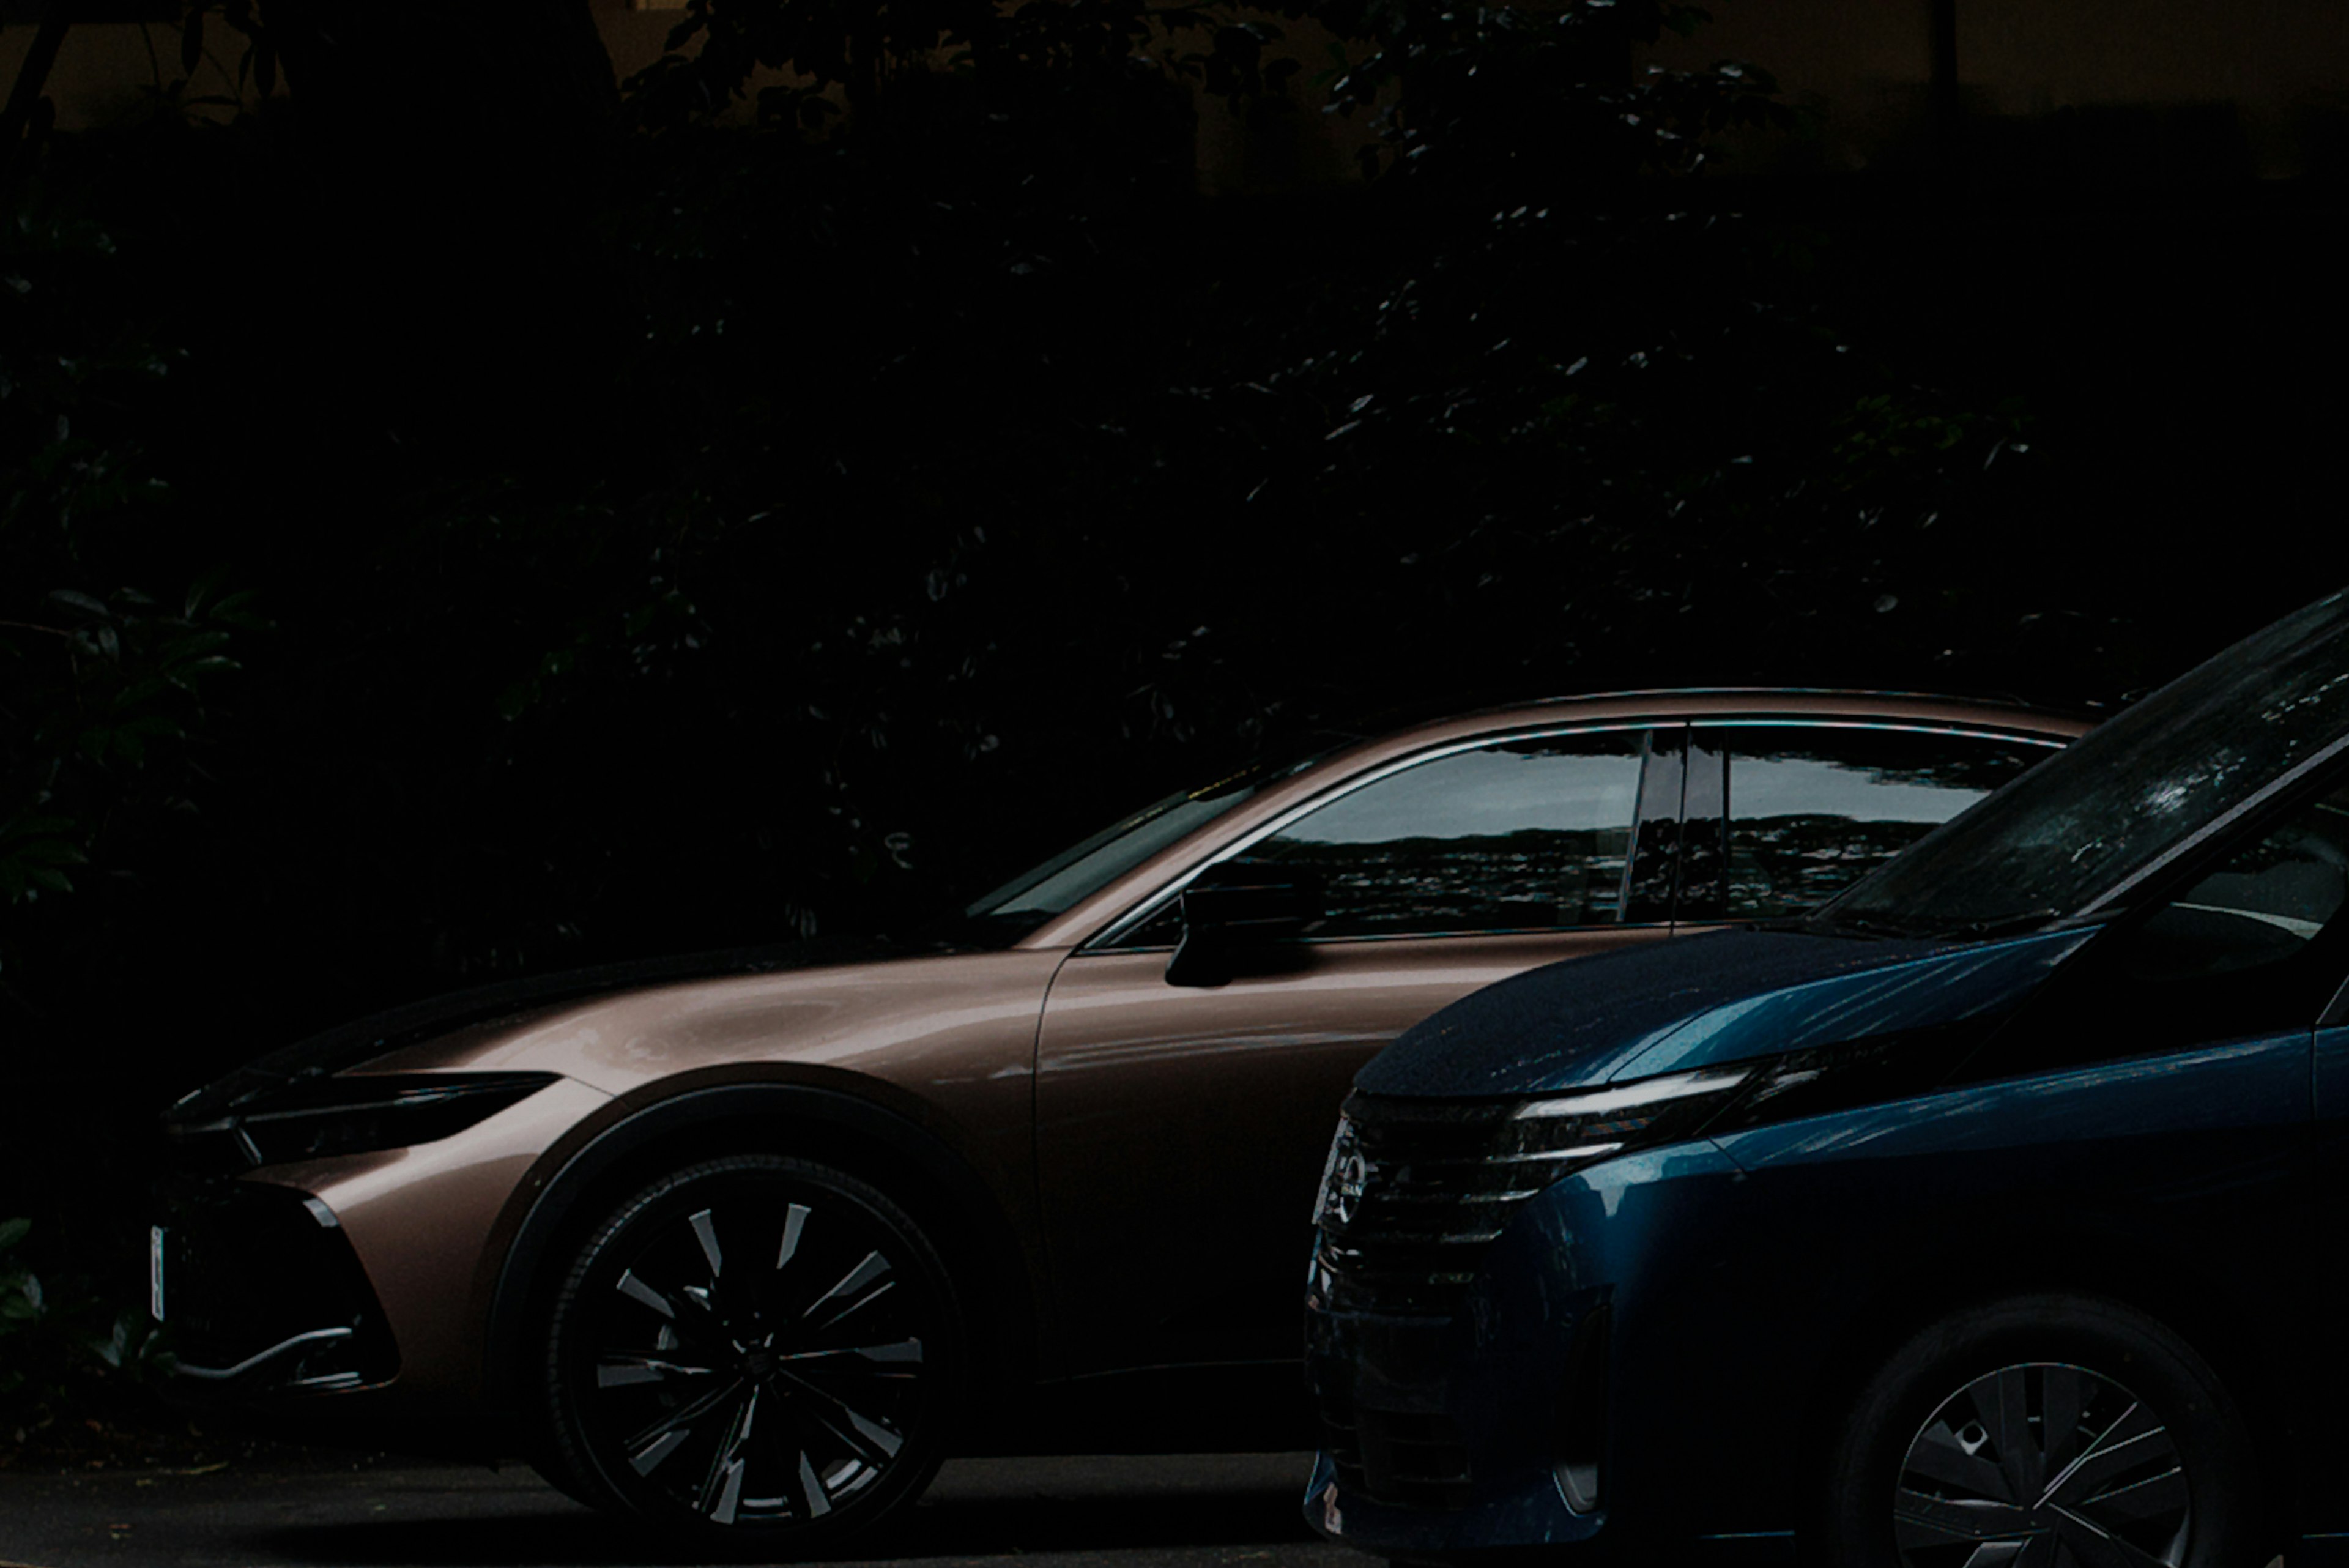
{"x": 690, "y": 1382}
{"x": 2044, "y": 1419}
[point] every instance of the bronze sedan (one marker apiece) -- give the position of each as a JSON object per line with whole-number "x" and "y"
{"x": 746, "y": 1244}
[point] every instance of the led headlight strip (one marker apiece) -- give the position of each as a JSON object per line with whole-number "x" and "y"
{"x": 314, "y": 1118}
{"x": 1560, "y": 1131}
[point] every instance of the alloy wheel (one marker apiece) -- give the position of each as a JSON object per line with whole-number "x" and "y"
{"x": 765, "y": 1357}
{"x": 2043, "y": 1465}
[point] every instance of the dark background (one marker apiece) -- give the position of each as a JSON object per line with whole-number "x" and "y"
{"x": 466, "y": 518}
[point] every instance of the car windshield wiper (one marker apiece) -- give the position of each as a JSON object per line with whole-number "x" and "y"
{"x": 1995, "y": 926}
{"x": 2005, "y": 925}
{"x": 1866, "y": 925}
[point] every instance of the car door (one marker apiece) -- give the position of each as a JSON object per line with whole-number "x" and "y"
{"x": 1181, "y": 1130}
{"x": 1781, "y": 814}
{"x": 2321, "y": 1462}
{"x": 2180, "y": 1101}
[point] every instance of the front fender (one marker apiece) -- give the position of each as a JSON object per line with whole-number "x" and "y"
{"x": 944, "y": 1188}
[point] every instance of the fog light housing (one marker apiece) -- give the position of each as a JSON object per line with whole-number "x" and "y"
{"x": 1582, "y": 1411}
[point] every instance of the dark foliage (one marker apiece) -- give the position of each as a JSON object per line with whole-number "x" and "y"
{"x": 503, "y": 524}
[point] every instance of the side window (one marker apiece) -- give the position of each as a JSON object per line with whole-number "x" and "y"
{"x": 1524, "y": 836}
{"x": 1810, "y": 809}
{"x": 2263, "y": 906}
{"x": 1519, "y": 836}
{"x": 2236, "y": 954}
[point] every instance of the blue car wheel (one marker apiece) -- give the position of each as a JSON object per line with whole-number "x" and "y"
{"x": 2044, "y": 1431}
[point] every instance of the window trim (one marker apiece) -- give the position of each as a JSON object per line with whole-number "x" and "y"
{"x": 2337, "y": 1010}
{"x": 1922, "y": 727}
{"x": 1151, "y": 905}
{"x": 1663, "y": 777}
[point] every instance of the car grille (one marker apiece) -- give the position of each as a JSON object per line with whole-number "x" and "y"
{"x": 1399, "y": 1457}
{"x": 1415, "y": 1189}
{"x": 248, "y": 1265}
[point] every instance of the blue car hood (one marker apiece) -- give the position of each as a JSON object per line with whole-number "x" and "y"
{"x": 1730, "y": 996}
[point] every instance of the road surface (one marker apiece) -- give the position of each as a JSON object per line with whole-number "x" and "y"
{"x": 327, "y": 1511}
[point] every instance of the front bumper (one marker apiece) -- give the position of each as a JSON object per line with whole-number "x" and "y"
{"x": 409, "y": 1265}
{"x": 1441, "y": 1434}
{"x": 263, "y": 1294}
{"x": 1560, "y": 1398}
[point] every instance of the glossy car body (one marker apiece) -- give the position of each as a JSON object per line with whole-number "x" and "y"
{"x": 1115, "y": 1169}
{"x": 1616, "y": 1254}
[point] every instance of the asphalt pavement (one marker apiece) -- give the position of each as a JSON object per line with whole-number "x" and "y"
{"x": 329, "y": 1511}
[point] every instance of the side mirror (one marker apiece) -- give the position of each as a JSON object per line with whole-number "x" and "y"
{"x": 1242, "y": 917}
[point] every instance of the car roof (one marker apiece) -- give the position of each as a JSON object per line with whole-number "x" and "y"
{"x": 1692, "y": 701}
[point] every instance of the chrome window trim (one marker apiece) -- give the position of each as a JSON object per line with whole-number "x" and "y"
{"x": 1105, "y": 939}
{"x": 1415, "y": 936}
{"x": 1971, "y": 732}
{"x": 2336, "y": 1012}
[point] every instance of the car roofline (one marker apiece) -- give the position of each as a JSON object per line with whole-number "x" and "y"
{"x": 1370, "y": 748}
{"x": 1866, "y": 693}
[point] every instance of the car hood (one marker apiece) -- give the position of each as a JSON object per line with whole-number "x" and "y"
{"x": 364, "y": 1040}
{"x": 1729, "y": 996}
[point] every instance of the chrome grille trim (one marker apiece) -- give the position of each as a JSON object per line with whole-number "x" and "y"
{"x": 1415, "y": 1190}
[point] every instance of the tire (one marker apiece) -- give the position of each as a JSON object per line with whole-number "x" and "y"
{"x": 754, "y": 1350}
{"x": 2148, "y": 1450}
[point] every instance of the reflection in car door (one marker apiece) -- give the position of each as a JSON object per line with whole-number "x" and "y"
{"x": 1180, "y": 1131}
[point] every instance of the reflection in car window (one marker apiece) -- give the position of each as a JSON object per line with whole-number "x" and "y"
{"x": 2263, "y": 905}
{"x": 2136, "y": 788}
{"x": 1813, "y": 808}
{"x": 1525, "y": 835}
{"x": 1046, "y": 889}
{"x": 2239, "y": 953}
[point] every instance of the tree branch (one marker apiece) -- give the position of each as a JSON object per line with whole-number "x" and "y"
{"x": 17, "y": 119}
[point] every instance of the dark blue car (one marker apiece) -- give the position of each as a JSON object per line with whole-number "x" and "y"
{"x": 1993, "y": 1214}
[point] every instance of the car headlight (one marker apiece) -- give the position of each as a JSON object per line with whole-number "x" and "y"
{"x": 1597, "y": 1124}
{"x": 316, "y": 1117}
{"x": 1487, "y": 1155}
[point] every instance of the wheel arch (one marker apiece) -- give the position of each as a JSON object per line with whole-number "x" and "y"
{"x": 942, "y": 1191}
{"x": 2110, "y": 1261}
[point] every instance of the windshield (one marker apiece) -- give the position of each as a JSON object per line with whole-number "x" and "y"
{"x": 2088, "y": 820}
{"x": 1084, "y": 868}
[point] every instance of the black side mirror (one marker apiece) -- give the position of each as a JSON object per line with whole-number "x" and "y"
{"x": 1244, "y": 917}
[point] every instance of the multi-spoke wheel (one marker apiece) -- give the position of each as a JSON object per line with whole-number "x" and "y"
{"x": 2038, "y": 1460}
{"x": 755, "y": 1346}
{"x": 2051, "y": 1431}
